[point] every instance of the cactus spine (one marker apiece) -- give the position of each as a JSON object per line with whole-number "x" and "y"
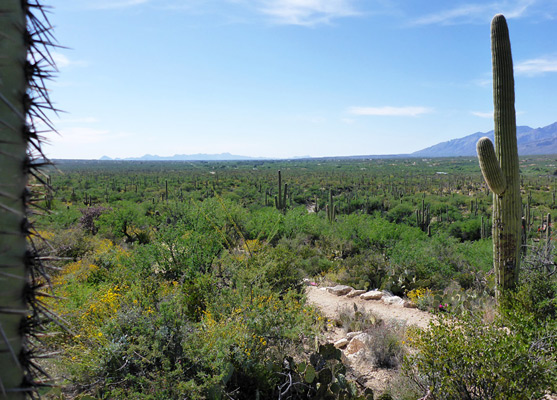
{"x": 24, "y": 66}
{"x": 499, "y": 165}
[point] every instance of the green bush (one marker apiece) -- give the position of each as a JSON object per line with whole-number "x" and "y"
{"x": 363, "y": 271}
{"x": 469, "y": 359}
{"x": 466, "y": 230}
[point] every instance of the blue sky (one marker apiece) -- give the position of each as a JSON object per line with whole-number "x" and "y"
{"x": 285, "y": 78}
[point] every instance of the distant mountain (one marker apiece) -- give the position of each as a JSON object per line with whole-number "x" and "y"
{"x": 187, "y": 157}
{"x": 530, "y": 141}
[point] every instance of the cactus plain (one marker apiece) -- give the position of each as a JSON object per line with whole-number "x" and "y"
{"x": 186, "y": 280}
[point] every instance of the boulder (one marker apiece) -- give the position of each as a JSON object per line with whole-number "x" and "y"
{"x": 341, "y": 343}
{"x": 357, "y": 343}
{"x": 373, "y": 295}
{"x": 393, "y": 300}
{"x": 355, "y": 292}
{"x": 352, "y": 335}
{"x": 339, "y": 290}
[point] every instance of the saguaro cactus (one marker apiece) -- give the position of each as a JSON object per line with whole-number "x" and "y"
{"x": 499, "y": 165}
{"x": 22, "y": 100}
{"x": 280, "y": 200}
{"x": 331, "y": 208}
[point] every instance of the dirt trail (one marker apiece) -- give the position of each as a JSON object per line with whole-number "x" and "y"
{"x": 330, "y": 304}
{"x": 362, "y": 367}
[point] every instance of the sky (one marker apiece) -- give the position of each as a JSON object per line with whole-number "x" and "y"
{"x": 289, "y": 78}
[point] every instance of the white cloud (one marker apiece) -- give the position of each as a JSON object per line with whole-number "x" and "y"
{"x": 62, "y": 61}
{"x": 390, "y": 111}
{"x": 536, "y": 66}
{"x": 111, "y": 4}
{"x": 483, "y": 82}
{"x": 482, "y": 114}
{"x": 84, "y": 120}
{"x": 307, "y": 12}
{"x": 479, "y": 12}
{"x": 287, "y": 12}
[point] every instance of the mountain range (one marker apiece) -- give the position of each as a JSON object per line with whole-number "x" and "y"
{"x": 187, "y": 157}
{"x": 530, "y": 142}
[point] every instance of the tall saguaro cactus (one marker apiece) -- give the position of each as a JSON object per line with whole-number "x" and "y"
{"x": 499, "y": 165}
{"x": 24, "y": 64}
{"x": 280, "y": 200}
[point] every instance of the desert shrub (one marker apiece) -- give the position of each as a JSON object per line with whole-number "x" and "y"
{"x": 400, "y": 213}
{"x": 363, "y": 271}
{"x": 353, "y": 319}
{"x": 537, "y": 292}
{"x": 125, "y": 220}
{"x": 316, "y": 265}
{"x": 181, "y": 253}
{"x": 278, "y": 267}
{"x": 466, "y": 230}
{"x": 430, "y": 262}
{"x": 68, "y": 243}
{"x": 298, "y": 221}
{"x": 386, "y": 344}
{"x": 423, "y": 298}
{"x": 265, "y": 224}
{"x": 468, "y": 358}
{"x": 537, "y": 295}
{"x": 64, "y": 216}
{"x": 403, "y": 388}
{"x": 89, "y": 216}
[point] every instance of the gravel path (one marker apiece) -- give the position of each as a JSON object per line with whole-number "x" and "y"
{"x": 330, "y": 304}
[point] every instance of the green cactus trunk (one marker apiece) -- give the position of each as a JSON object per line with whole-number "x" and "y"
{"x": 22, "y": 101}
{"x": 331, "y": 208}
{"x": 500, "y": 165}
{"x": 13, "y": 180}
{"x": 280, "y": 200}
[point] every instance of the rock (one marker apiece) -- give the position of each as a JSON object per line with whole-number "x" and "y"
{"x": 341, "y": 343}
{"x": 339, "y": 290}
{"x": 357, "y": 343}
{"x": 355, "y": 292}
{"x": 393, "y": 300}
{"x": 373, "y": 295}
{"x": 352, "y": 359}
{"x": 351, "y": 335}
{"x": 408, "y": 304}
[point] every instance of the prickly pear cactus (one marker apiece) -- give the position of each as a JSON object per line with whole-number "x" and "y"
{"x": 23, "y": 98}
{"x": 499, "y": 164}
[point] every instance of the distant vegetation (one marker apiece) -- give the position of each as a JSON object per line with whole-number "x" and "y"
{"x": 184, "y": 279}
